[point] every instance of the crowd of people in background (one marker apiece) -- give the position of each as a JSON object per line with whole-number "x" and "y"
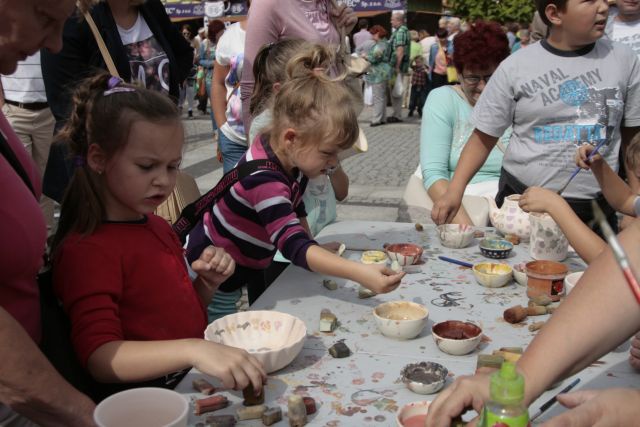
{"x": 107, "y": 81}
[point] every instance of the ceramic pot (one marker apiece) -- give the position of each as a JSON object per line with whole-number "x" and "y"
{"x": 510, "y": 219}
{"x": 547, "y": 239}
{"x": 545, "y": 278}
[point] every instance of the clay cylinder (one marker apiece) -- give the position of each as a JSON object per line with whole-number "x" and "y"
{"x": 297, "y": 411}
{"x": 546, "y": 278}
{"x": 515, "y": 314}
{"x": 536, "y": 310}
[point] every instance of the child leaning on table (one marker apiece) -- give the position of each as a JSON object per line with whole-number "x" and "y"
{"x": 619, "y": 195}
{"x": 574, "y": 86}
{"x": 270, "y": 71}
{"x": 136, "y": 310}
{"x": 313, "y": 121}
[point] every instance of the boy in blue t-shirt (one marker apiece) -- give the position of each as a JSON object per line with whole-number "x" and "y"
{"x": 572, "y": 88}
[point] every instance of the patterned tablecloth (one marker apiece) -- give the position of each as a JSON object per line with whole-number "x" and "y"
{"x": 364, "y": 389}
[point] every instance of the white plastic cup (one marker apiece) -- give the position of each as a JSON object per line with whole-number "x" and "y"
{"x": 147, "y": 406}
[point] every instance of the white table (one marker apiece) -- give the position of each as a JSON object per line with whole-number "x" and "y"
{"x": 363, "y": 389}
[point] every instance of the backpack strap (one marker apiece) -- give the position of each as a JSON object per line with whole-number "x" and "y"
{"x": 13, "y": 161}
{"x": 193, "y": 213}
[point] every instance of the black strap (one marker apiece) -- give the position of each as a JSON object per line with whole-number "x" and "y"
{"x": 8, "y": 154}
{"x": 192, "y": 214}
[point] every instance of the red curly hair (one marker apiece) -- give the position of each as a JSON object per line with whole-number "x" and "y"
{"x": 484, "y": 45}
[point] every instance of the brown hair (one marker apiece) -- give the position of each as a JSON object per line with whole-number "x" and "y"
{"x": 105, "y": 121}
{"x": 541, "y": 5}
{"x": 317, "y": 107}
{"x": 269, "y": 67}
{"x": 632, "y": 153}
{"x": 214, "y": 28}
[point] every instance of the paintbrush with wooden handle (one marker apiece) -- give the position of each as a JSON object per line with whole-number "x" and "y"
{"x": 616, "y": 248}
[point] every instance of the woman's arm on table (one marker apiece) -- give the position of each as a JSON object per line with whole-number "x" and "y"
{"x": 32, "y": 387}
{"x": 436, "y": 135}
{"x": 610, "y": 313}
{"x": 474, "y": 155}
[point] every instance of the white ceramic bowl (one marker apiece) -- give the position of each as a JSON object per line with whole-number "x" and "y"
{"x": 419, "y": 410}
{"x": 492, "y": 275}
{"x": 404, "y": 253}
{"x": 401, "y": 319}
{"x": 455, "y": 236}
{"x": 456, "y": 337}
{"x": 272, "y": 337}
{"x": 145, "y": 406}
{"x": 571, "y": 280}
{"x": 424, "y": 377}
{"x": 520, "y": 274}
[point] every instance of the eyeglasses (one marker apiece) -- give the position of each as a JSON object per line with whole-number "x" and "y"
{"x": 474, "y": 80}
{"x": 186, "y": 33}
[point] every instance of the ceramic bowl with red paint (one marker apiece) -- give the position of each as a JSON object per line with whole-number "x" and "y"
{"x": 456, "y": 337}
{"x": 413, "y": 414}
{"x": 404, "y": 253}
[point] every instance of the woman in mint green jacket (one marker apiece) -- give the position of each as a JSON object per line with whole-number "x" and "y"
{"x": 379, "y": 74}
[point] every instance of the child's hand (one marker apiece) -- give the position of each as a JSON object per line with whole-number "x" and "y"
{"x": 378, "y": 278}
{"x": 538, "y": 199}
{"x": 233, "y": 366}
{"x": 582, "y": 156}
{"x": 215, "y": 266}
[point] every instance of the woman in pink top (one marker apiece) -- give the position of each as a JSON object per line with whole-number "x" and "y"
{"x": 274, "y": 20}
{"x": 29, "y": 385}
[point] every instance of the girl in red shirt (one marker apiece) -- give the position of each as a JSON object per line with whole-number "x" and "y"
{"x": 136, "y": 308}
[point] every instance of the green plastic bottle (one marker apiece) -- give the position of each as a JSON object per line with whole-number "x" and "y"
{"x": 505, "y": 409}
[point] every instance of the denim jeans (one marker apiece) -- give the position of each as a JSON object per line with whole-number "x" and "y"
{"x": 231, "y": 151}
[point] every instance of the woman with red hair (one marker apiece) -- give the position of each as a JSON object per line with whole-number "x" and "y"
{"x": 446, "y": 125}
{"x": 379, "y": 74}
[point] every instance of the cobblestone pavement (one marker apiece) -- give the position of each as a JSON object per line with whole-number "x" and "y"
{"x": 377, "y": 177}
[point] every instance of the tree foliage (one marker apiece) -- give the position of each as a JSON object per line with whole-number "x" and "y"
{"x": 494, "y": 10}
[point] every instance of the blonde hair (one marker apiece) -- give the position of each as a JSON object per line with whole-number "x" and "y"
{"x": 318, "y": 107}
{"x": 269, "y": 67}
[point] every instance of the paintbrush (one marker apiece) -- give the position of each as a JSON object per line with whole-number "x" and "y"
{"x": 616, "y": 248}
{"x": 456, "y": 261}
{"x": 578, "y": 168}
{"x": 548, "y": 404}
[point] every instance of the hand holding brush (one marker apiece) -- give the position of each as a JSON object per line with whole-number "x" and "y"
{"x": 583, "y": 164}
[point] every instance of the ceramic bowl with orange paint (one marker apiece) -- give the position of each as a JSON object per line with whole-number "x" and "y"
{"x": 546, "y": 278}
{"x": 413, "y": 414}
{"x": 456, "y": 337}
{"x": 404, "y": 253}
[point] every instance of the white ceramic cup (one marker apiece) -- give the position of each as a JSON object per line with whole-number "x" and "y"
{"x": 571, "y": 280}
{"x": 547, "y": 242}
{"x": 147, "y": 406}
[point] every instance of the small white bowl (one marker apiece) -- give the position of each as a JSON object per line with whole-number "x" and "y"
{"x": 419, "y": 410}
{"x": 455, "y": 236}
{"x": 492, "y": 275}
{"x": 404, "y": 253}
{"x": 400, "y": 319}
{"x": 456, "y": 337}
{"x": 145, "y": 406}
{"x": 520, "y": 274}
{"x": 571, "y": 280}
{"x": 424, "y": 377}
{"x": 272, "y": 337}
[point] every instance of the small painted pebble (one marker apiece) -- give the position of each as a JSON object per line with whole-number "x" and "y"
{"x": 330, "y": 284}
{"x": 339, "y": 350}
